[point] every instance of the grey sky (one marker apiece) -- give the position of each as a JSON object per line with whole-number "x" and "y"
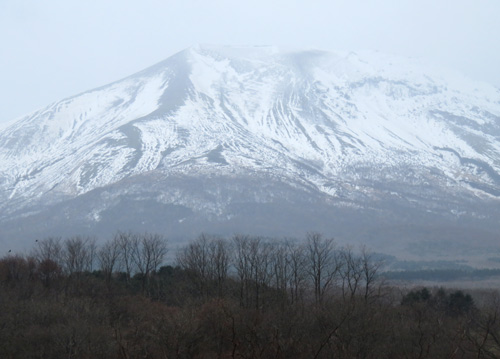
{"x": 57, "y": 48}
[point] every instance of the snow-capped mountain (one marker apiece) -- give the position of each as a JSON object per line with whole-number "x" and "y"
{"x": 212, "y": 131}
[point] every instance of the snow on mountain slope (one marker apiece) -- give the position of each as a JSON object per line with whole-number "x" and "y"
{"x": 342, "y": 124}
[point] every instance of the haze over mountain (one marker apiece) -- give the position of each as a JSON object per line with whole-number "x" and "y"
{"x": 368, "y": 147}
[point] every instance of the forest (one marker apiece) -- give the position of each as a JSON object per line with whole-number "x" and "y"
{"x": 244, "y": 297}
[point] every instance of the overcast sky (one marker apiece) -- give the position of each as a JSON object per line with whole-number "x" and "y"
{"x": 53, "y": 49}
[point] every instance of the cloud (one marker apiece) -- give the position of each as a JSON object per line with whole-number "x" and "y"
{"x": 54, "y": 49}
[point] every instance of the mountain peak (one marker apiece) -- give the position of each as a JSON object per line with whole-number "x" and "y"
{"x": 238, "y": 51}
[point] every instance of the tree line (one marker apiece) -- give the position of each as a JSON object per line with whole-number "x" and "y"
{"x": 243, "y": 297}
{"x": 443, "y": 274}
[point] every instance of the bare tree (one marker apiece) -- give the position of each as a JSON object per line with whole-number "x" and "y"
{"x": 207, "y": 260}
{"x": 253, "y": 265}
{"x": 13, "y": 268}
{"x": 126, "y": 243}
{"x": 48, "y": 270}
{"x": 351, "y": 272}
{"x": 79, "y": 255}
{"x": 194, "y": 258}
{"x": 242, "y": 264}
{"x": 49, "y": 249}
{"x": 260, "y": 260}
{"x": 297, "y": 263}
{"x": 108, "y": 256}
{"x": 219, "y": 257}
{"x": 370, "y": 269}
{"x": 280, "y": 266}
{"x": 148, "y": 253}
{"x": 322, "y": 265}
